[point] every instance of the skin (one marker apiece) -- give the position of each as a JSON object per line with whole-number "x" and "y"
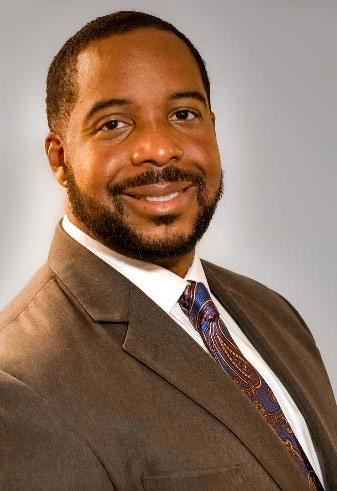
{"x": 153, "y": 129}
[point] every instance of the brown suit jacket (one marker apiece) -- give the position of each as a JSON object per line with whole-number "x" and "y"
{"x": 101, "y": 390}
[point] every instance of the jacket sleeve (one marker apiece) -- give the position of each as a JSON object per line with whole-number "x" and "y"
{"x": 38, "y": 451}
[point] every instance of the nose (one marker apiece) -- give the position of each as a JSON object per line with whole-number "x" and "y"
{"x": 156, "y": 146}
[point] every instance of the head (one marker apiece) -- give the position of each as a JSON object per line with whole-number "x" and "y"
{"x": 132, "y": 136}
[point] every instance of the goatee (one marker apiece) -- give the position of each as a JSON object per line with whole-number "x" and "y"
{"x": 113, "y": 229}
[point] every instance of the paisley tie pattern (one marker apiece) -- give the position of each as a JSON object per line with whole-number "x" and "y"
{"x": 197, "y": 304}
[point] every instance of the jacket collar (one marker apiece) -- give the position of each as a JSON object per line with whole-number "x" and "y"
{"x": 101, "y": 290}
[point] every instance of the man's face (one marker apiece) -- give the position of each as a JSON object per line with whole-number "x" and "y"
{"x": 144, "y": 173}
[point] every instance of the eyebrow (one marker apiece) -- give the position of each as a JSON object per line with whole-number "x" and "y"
{"x": 98, "y": 106}
{"x": 107, "y": 103}
{"x": 194, "y": 94}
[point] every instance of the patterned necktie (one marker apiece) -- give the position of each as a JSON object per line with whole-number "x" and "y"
{"x": 197, "y": 304}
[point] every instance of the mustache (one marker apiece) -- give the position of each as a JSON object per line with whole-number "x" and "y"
{"x": 154, "y": 176}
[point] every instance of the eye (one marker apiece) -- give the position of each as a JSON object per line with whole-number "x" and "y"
{"x": 184, "y": 115}
{"x": 113, "y": 124}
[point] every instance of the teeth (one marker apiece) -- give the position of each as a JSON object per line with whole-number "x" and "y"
{"x": 161, "y": 198}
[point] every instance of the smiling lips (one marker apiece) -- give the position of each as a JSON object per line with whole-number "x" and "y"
{"x": 161, "y": 192}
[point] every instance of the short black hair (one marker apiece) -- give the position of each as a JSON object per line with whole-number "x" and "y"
{"x": 61, "y": 80}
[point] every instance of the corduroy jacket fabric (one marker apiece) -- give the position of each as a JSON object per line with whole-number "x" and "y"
{"x": 101, "y": 390}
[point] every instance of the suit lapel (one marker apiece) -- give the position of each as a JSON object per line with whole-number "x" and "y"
{"x": 158, "y": 342}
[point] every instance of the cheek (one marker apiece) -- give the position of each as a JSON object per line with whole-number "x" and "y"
{"x": 95, "y": 167}
{"x": 206, "y": 155}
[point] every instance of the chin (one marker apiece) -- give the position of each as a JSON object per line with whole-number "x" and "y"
{"x": 166, "y": 231}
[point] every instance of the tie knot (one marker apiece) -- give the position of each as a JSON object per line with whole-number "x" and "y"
{"x": 197, "y": 304}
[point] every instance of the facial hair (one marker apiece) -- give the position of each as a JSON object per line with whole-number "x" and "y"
{"x": 113, "y": 229}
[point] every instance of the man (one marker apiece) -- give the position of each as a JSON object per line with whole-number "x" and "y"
{"x": 126, "y": 363}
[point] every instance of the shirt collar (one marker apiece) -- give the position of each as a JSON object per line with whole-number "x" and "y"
{"x": 159, "y": 284}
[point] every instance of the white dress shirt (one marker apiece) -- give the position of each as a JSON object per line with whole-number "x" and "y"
{"x": 165, "y": 288}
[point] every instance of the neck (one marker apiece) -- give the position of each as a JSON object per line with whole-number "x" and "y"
{"x": 178, "y": 265}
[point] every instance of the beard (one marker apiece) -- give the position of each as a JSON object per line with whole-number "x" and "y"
{"x": 112, "y": 228}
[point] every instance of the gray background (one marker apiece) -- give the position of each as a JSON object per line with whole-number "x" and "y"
{"x": 272, "y": 65}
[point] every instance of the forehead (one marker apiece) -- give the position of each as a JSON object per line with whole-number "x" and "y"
{"x": 143, "y": 60}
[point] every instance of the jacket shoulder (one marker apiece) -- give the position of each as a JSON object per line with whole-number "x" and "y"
{"x": 236, "y": 282}
{"x": 19, "y": 303}
{"x": 252, "y": 291}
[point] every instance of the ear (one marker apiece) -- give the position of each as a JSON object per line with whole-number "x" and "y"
{"x": 55, "y": 152}
{"x": 213, "y": 120}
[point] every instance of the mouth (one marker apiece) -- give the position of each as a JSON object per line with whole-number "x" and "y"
{"x": 161, "y": 198}
{"x": 157, "y": 199}
{"x": 158, "y": 193}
